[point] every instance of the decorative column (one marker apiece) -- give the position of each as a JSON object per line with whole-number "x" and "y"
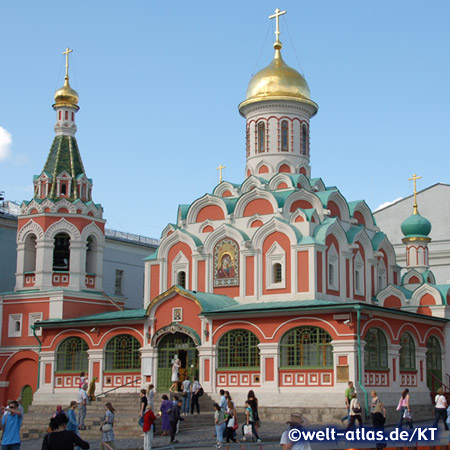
{"x": 394, "y": 364}
{"x": 96, "y": 367}
{"x": 345, "y": 362}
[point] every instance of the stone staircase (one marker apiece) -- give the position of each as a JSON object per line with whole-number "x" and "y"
{"x": 127, "y": 406}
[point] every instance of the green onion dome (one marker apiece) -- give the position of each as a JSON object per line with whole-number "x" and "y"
{"x": 416, "y": 226}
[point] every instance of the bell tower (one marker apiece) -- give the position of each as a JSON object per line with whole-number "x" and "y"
{"x": 60, "y": 238}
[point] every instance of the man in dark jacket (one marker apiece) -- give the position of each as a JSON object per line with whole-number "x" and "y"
{"x": 175, "y": 417}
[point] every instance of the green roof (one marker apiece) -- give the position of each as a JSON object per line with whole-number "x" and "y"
{"x": 321, "y": 231}
{"x": 64, "y": 156}
{"x": 376, "y": 240}
{"x": 352, "y": 232}
{"x": 183, "y": 210}
{"x": 443, "y": 290}
{"x": 114, "y": 316}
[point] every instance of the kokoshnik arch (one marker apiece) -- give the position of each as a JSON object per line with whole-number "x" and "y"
{"x": 277, "y": 283}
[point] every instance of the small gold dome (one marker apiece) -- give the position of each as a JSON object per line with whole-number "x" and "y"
{"x": 66, "y": 95}
{"x": 278, "y": 81}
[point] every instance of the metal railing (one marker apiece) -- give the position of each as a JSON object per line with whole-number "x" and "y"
{"x": 137, "y": 380}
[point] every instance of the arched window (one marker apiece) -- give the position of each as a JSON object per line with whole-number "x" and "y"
{"x": 63, "y": 189}
{"x": 122, "y": 353}
{"x": 71, "y": 355}
{"x": 304, "y": 140}
{"x": 61, "y": 252}
{"x": 261, "y": 137}
{"x": 407, "y": 352}
{"x": 333, "y": 268}
{"x": 375, "y": 351}
{"x": 182, "y": 279}
{"x": 359, "y": 274}
{"x": 306, "y": 347}
{"x": 284, "y": 136}
{"x": 434, "y": 362}
{"x": 277, "y": 272}
{"x": 30, "y": 253}
{"x": 238, "y": 348}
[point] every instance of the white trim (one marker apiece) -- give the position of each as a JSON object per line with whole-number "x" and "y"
{"x": 13, "y": 320}
{"x": 32, "y": 319}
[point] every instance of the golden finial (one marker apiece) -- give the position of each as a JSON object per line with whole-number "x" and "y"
{"x": 276, "y": 16}
{"x": 220, "y": 168}
{"x": 415, "y": 178}
{"x": 67, "y": 62}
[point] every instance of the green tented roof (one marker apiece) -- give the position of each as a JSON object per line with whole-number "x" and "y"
{"x": 114, "y": 316}
{"x": 352, "y": 232}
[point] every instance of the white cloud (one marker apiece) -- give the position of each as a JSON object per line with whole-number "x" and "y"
{"x": 5, "y": 144}
{"x": 385, "y": 204}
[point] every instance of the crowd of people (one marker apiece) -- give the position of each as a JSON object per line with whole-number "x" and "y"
{"x": 64, "y": 428}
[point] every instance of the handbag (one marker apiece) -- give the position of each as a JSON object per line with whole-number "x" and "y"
{"x": 200, "y": 392}
{"x": 184, "y": 394}
{"x": 230, "y": 423}
{"x": 407, "y": 415}
{"x": 106, "y": 427}
{"x": 357, "y": 409}
{"x": 236, "y": 425}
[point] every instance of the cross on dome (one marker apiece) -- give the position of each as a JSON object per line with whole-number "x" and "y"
{"x": 68, "y": 50}
{"x": 415, "y": 178}
{"x": 276, "y": 16}
{"x": 220, "y": 168}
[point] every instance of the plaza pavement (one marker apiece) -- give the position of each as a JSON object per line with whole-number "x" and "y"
{"x": 270, "y": 433}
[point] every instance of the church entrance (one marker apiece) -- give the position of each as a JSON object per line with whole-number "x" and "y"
{"x": 171, "y": 347}
{"x": 434, "y": 364}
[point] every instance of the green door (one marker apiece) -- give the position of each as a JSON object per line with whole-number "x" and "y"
{"x": 27, "y": 397}
{"x": 171, "y": 347}
{"x": 434, "y": 364}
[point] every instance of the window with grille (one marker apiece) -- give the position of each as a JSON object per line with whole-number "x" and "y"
{"x": 122, "y": 353}
{"x": 284, "y": 136}
{"x": 333, "y": 268}
{"x": 359, "y": 274}
{"x": 118, "y": 282}
{"x": 277, "y": 273}
{"x": 72, "y": 355}
{"x": 375, "y": 351}
{"x": 407, "y": 352}
{"x": 306, "y": 347}
{"x": 261, "y": 137}
{"x": 238, "y": 348}
{"x": 304, "y": 140}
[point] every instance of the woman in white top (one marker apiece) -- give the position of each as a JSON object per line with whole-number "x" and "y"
{"x": 440, "y": 409}
{"x": 175, "y": 367}
{"x": 355, "y": 412}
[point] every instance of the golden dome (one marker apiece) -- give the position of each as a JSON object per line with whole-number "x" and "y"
{"x": 66, "y": 95}
{"x": 278, "y": 81}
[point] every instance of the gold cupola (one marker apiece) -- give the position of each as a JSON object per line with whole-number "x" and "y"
{"x": 66, "y": 96}
{"x": 278, "y": 81}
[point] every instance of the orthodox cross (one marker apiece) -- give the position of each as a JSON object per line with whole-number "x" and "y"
{"x": 415, "y": 178}
{"x": 276, "y": 16}
{"x": 67, "y": 60}
{"x": 220, "y": 172}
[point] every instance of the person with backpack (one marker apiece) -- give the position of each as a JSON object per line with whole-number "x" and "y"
{"x": 197, "y": 391}
{"x": 355, "y": 412}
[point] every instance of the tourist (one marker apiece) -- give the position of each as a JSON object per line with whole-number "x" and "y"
{"x": 107, "y": 428}
{"x": 175, "y": 417}
{"x": 231, "y": 425}
{"x": 253, "y": 402}
{"x": 60, "y": 438}
{"x": 166, "y": 406}
{"x": 186, "y": 388}
{"x": 348, "y": 398}
{"x": 440, "y": 408}
{"x": 149, "y": 420}
{"x": 223, "y": 400}
{"x": 58, "y": 411}
{"x": 151, "y": 396}
{"x": 249, "y": 421}
{"x": 71, "y": 415}
{"x": 82, "y": 380}
{"x": 228, "y": 397}
{"x": 220, "y": 423}
{"x": 82, "y": 406}
{"x": 91, "y": 390}
{"x": 355, "y": 412}
{"x": 297, "y": 422}
{"x": 11, "y": 423}
{"x": 195, "y": 389}
{"x": 175, "y": 368}
{"x": 405, "y": 410}
{"x": 142, "y": 409}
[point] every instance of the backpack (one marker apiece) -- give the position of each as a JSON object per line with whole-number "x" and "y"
{"x": 200, "y": 392}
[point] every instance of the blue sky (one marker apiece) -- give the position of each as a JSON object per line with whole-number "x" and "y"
{"x": 159, "y": 86}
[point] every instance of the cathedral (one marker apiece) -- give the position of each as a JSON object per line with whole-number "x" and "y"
{"x": 277, "y": 283}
